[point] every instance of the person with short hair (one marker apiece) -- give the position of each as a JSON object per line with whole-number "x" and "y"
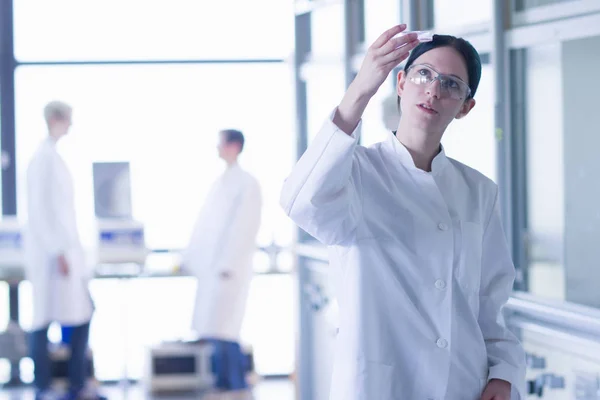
{"x": 220, "y": 254}
{"x": 55, "y": 261}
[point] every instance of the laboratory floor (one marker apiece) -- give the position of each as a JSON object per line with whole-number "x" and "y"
{"x": 264, "y": 390}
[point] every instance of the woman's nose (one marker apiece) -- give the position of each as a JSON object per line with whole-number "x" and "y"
{"x": 434, "y": 89}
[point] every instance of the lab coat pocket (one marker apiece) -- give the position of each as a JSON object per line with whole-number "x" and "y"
{"x": 469, "y": 272}
{"x": 375, "y": 381}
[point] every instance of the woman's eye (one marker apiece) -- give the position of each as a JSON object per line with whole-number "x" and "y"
{"x": 453, "y": 84}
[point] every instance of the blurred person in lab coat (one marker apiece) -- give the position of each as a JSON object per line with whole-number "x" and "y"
{"x": 416, "y": 244}
{"x": 54, "y": 259}
{"x": 220, "y": 254}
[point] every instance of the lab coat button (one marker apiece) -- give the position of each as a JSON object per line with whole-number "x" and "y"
{"x": 442, "y": 226}
{"x": 442, "y": 343}
{"x": 440, "y": 284}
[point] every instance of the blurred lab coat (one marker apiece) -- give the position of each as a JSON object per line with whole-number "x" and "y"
{"x": 51, "y": 230}
{"x": 224, "y": 240}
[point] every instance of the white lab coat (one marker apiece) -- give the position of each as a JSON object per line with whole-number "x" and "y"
{"x": 51, "y": 230}
{"x": 224, "y": 239}
{"x": 421, "y": 270}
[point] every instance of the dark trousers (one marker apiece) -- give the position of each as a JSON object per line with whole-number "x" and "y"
{"x": 229, "y": 365}
{"x": 78, "y": 365}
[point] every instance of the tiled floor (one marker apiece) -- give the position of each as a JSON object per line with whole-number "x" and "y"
{"x": 265, "y": 390}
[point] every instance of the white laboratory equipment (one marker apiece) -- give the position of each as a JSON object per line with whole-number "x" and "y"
{"x": 120, "y": 236}
{"x": 181, "y": 366}
{"x": 121, "y": 241}
{"x": 178, "y": 366}
{"x": 11, "y": 242}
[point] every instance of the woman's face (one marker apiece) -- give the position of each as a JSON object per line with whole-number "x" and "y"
{"x": 430, "y": 107}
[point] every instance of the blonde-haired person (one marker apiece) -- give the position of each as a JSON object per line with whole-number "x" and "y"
{"x": 54, "y": 259}
{"x": 56, "y": 110}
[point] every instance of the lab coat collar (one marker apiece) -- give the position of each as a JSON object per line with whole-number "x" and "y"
{"x": 233, "y": 167}
{"x": 438, "y": 163}
{"x": 231, "y": 171}
{"x": 51, "y": 141}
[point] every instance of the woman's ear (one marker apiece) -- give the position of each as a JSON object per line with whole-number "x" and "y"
{"x": 465, "y": 108}
{"x": 400, "y": 82}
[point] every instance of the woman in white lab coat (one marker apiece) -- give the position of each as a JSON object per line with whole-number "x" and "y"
{"x": 417, "y": 251}
{"x": 54, "y": 257}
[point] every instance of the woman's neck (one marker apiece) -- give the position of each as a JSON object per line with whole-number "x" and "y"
{"x": 422, "y": 146}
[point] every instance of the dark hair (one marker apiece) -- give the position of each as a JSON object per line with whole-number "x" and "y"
{"x": 463, "y": 47}
{"x": 234, "y": 136}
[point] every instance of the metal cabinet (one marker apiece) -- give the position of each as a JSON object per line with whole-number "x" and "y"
{"x": 318, "y": 327}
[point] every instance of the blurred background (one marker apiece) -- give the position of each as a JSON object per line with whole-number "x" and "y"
{"x": 151, "y": 84}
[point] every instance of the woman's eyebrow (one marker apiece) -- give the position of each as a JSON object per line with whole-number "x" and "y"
{"x": 433, "y": 68}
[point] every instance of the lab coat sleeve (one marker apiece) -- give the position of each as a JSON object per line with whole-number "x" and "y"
{"x": 322, "y": 194}
{"x": 44, "y": 210}
{"x": 240, "y": 236}
{"x": 506, "y": 357}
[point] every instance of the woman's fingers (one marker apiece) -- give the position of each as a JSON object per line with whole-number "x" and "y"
{"x": 393, "y": 64}
{"x": 387, "y": 35}
{"x": 398, "y": 42}
{"x": 399, "y": 53}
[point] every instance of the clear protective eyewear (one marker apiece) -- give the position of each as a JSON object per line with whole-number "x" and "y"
{"x": 450, "y": 86}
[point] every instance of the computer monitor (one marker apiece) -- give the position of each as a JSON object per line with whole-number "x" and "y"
{"x": 112, "y": 190}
